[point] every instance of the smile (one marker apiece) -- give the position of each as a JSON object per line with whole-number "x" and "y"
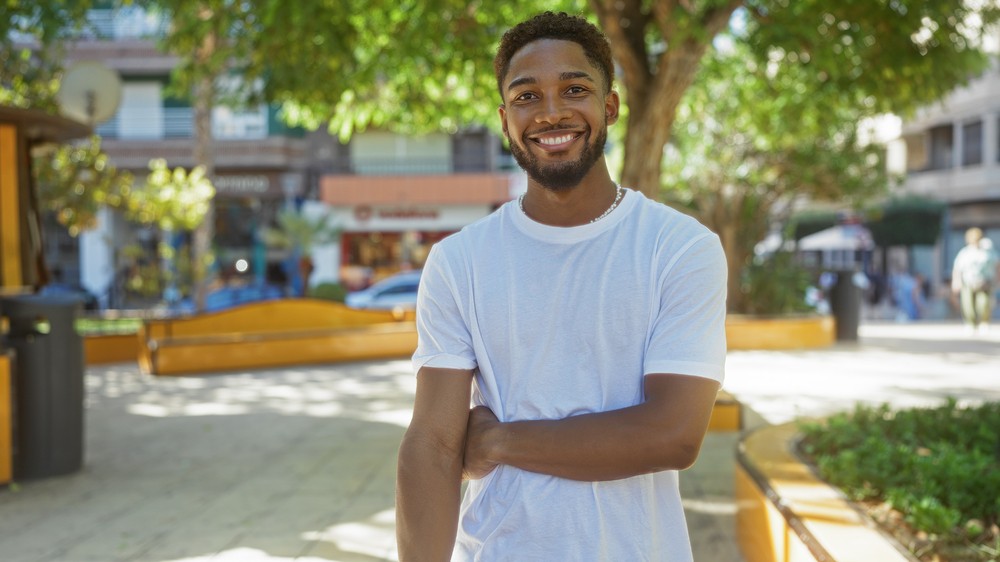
{"x": 555, "y": 140}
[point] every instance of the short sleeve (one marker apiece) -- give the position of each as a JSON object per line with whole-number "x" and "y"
{"x": 688, "y": 335}
{"x": 443, "y": 338}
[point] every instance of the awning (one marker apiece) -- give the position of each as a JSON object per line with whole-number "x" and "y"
{"x": 840, "y": 237}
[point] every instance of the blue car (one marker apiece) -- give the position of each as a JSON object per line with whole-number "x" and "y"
{"x": 397, "y": 291}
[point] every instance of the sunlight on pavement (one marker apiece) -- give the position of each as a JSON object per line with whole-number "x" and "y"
{"x": 318, "y": 392}
{"x": 375, "y": 536}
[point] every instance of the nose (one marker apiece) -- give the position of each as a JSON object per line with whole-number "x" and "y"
{"x": 552, "y": 111}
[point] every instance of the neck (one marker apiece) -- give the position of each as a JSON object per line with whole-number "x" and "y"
{"x": 574, "y": 206}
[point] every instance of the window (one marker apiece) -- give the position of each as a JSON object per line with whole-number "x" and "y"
{"x": 942, "y": 147}
{"x": 972, "y": 143}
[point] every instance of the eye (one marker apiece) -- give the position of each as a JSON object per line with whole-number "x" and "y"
{"x": 526, "y": 96}
{"x": 576, "y": 90}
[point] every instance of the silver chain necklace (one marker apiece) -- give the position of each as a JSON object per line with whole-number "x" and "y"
{"x": 619, "y": 192}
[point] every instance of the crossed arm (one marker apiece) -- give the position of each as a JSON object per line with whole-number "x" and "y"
{"x": 662, "y": 433}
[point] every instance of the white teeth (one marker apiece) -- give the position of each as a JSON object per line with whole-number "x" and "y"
{"x": 555, "y": 140}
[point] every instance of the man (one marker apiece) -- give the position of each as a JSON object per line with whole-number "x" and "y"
{"x": 587, "y": 324}
{"x": 972, "y": 278}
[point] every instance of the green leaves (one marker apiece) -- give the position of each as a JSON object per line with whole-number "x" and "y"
{"x": 297, "y": 231}
{"x": 171, "y": 199}
{"x": 896, "y": 54}
{"x": 937, "y": 466}
{"x": 75, "y": 181}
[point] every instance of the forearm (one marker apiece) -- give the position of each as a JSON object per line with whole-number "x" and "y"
{"x": 428, "y": 493}
{"x": 592, "y": 447}
{"x": 664, "y": 432}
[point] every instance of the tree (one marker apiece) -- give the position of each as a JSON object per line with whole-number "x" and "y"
{"x": 420, "y": 65}
{"x": 30, "y": 39}
{"x": 75, "y": 181}
{"x": 300, "y": 233}
{"x": 177, "y": 201}
{"x": 751, "y": 140}
{"x": 423, "y": 65}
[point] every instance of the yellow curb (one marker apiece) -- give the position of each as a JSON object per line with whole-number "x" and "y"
{"x": 786, "y": 513}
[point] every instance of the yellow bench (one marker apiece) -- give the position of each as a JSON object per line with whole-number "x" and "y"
{"x": 272, "y": 334}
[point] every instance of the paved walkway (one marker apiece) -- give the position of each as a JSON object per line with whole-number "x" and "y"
{"x": 298, "y": 464}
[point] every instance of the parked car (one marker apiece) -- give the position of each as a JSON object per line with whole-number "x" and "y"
{"x": 396, "y": 291}
{"x": 86, "y": 298}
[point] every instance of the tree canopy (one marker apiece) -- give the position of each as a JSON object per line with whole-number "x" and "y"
{"x": 751, "y": 140}
{"x": 782, "y": 121}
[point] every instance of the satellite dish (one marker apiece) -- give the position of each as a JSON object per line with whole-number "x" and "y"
{"x": 89, "y": 92}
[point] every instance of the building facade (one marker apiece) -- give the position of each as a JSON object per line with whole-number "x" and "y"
{"x": 952, "y": 154}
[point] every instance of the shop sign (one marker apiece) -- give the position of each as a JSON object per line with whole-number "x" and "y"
{"x": 364, "y": 213}
{"x": 243, "y": 184}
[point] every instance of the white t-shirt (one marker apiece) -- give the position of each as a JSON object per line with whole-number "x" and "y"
{"x": 559, "y": 322}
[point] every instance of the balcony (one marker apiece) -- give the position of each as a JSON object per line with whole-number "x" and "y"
{"x": 127, "y": 22}
{"x": 956, "y": 185}
{"x": 155, "y": 122}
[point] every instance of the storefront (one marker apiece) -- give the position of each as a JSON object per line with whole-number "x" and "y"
{"x": 379, "y": 240}
{"x": 245, "y": 203}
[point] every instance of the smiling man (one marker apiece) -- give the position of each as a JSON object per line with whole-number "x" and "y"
{"x": 585, "y": 324}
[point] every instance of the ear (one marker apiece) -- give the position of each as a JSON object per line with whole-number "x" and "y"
{"x": 502, "y": 111}
{"x": 611, "y": 107}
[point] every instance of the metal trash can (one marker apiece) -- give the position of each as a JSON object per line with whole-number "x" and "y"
{"x": 47, "y": 396}
{"x": 845, "y": 304}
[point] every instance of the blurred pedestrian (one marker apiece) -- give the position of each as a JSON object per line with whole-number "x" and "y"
{"x": 908, "y": 295}
{"x": 587, "y": 325}
{"x": 973, "y": 277}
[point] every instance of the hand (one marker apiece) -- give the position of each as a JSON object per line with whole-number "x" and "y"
{"x": 478, "y": 443}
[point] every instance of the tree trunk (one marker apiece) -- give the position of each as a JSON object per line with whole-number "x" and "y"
{"x": 204, "y": 95}
{"x": 654, "y": 90}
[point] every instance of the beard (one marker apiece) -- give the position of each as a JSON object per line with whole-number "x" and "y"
{"x": 560, "y": 176}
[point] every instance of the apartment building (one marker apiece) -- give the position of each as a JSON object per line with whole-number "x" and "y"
{"x": 391, "y": 195}
{"x": 952, "y": 154}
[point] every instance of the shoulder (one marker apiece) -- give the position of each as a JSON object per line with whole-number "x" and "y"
{"x": 662, "y": 214}
{"x": 673, "y": 229}
{"x": 474, "y": 233}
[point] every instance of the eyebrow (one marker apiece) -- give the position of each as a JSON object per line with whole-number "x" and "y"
{"x": 564, "y": 76}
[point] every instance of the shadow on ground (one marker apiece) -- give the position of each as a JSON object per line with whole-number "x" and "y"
{"x": 269, "y": 465}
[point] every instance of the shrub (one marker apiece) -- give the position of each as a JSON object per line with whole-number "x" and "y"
{"x": 328, "y": 291}
{"x": 935, "y": 466}
{"x": 775, "y": 285}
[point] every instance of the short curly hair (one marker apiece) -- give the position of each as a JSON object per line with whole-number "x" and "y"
{"x": 550, "y": 25}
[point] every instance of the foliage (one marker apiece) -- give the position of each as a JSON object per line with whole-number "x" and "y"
{"x": 889, "y": 56}
{"x": 30, "y": 56}
{"x": 107, "y": 326}
{"x": 936, "y": 466}
{"x": 906, "y": 221}
{"x": 417, "y": 66}
{"x": 751, "y": 141}
{"x": 328, "y": 291}
{"x": 775, "y": 285}
{"x": 171, "y": 199}
{"x": 145, "y": 276}
{"x": 75, "y": 181}
{"x": 297, "y": 231}
{"x": 804, "y": 223}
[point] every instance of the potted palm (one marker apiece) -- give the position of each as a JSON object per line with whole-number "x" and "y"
{"x": 301, "y": 234}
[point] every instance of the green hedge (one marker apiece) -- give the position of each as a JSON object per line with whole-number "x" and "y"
{"x": 939, "y": 467}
